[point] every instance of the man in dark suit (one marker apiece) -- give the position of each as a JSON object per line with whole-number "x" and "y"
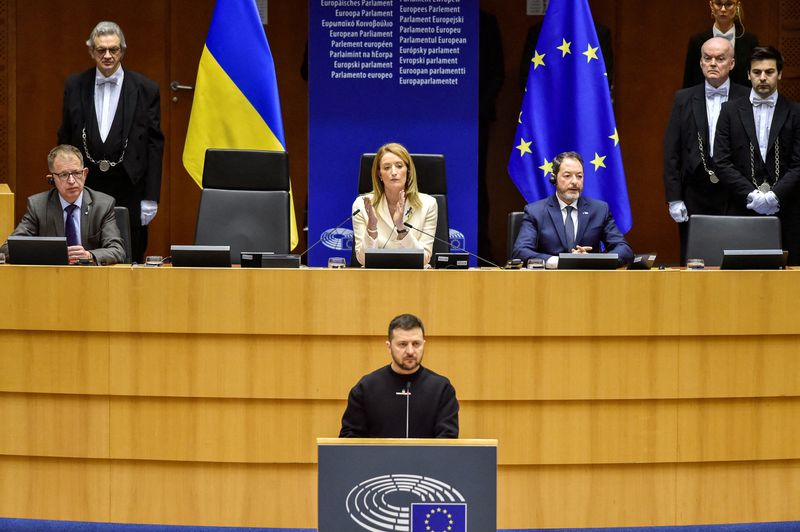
{"x": 757, "y": 150}
{"x": 690, "y": 184}
{"x": 114, "y": 116}
{"x": 70, "y": 209}
{"x": 566, "y": 222}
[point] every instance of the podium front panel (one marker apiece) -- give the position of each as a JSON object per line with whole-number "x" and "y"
{"x": 407, "y": 487}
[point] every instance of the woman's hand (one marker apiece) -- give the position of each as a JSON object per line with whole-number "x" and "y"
{"x": 372, "y": 218}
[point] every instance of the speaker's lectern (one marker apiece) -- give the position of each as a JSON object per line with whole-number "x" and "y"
{"x": 407, "y": 485}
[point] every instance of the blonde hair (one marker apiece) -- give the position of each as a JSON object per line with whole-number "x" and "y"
{"x": 378, "y": 192}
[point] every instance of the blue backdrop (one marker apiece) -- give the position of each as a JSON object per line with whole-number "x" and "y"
{"x": 389, "y": 71}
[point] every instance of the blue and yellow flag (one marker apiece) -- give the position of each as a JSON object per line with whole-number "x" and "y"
{"x": 567, "y": 107}
{"x": 236, "y": 103}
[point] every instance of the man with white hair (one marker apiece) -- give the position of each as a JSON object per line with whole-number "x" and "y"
{"x": 113, "y": 115}
{"x": 691, "y": 185}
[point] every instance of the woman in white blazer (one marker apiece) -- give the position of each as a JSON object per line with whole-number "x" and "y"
{"x": 393, "y": 201}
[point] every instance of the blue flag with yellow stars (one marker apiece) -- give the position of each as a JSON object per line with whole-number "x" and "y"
{"x": 567, "y": 107}
{"x": 441, "y": 517}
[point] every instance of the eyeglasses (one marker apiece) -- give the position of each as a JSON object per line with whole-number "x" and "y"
{"x": 101, "y": 52}
{"x": 63, "y": 176}
{"x": 725, "y": 5}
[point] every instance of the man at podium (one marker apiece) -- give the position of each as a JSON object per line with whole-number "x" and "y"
{"x": 403, "y": 399}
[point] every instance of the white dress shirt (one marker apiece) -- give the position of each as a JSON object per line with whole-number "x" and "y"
{"x": 762, "y": 115}
{"x": 106, "y": 99}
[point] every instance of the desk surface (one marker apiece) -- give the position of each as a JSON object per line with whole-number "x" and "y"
{"x": 353, "y": 301}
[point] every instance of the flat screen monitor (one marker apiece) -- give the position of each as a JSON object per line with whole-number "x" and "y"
{"x": 753, "y": 259}
{"x": 588, "y": 261}
{"x": 41, "y": 250}
{"x": 642, "y": 261}
{"x": 201, "y": 256}
{"x": 398, "y": 259}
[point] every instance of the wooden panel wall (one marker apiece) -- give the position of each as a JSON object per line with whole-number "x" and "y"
{"x": 656, "y": 403}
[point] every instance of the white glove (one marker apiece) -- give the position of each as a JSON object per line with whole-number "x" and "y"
{"x": 771, "y": 203}
{"x": 677, "y": 209}
{"x": 754, "y": 200}
{"x": 149, "y": 209}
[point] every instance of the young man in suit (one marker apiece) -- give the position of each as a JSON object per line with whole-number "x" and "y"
{"x": 757, "y": 150}
{"x": 567, "y": 222}
{"x": 690, "y": 184}
{"x": 114, "y": 116}
{"x": 70, "y": 209}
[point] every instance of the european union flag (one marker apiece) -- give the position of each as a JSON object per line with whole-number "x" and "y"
{"x": 442, "y": 517}
{"x": 567, "y": 107}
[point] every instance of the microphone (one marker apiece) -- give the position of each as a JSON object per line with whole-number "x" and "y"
{"x": 471, "y": 254}
{"x": 407, "y": 393}
{"x": 349, "y": 216}
{"x": 389, "y": 237}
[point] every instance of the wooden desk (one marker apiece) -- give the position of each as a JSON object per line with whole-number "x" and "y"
{"x": 166, "y": 395}
{"x": 6, "y": 212}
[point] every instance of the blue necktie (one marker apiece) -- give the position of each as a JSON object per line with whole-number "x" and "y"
{"x": 569, "y": 228}
{"x": 70, "y": 228}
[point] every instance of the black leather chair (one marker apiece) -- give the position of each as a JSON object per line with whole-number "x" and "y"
{"x": 710, "y": 235}
{"x": 245, "y": 201}
{"x": 512, "y": 230}
{"x": 431, "y": 179}
{"x": 124, "y": 224}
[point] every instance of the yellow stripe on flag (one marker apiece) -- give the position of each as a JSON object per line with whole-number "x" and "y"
{"x": 223, "y": 118}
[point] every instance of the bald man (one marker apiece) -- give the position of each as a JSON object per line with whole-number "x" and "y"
{"x": 691, "y": 185}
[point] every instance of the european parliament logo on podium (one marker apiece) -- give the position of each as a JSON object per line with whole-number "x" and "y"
{"x": 406, "y": 485}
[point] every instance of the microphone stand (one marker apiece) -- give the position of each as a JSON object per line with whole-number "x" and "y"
{"x": 337, "y": 227}
{"x": 407, "y": 393}
{"x": 471, "y": 254}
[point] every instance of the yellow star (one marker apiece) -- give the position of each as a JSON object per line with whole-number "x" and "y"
{"x": 538, "y": 59}
{"x": 598, "y": 161}
{"x": 524, "y": 147}
{"x": 547, "y": 167}
{"x": 564, "y": 47}
{"x": 614, "y": 137}
{"x": 519, "y": 120}
{"x": 590, "y": 53}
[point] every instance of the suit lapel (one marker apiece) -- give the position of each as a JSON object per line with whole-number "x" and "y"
{"x": 746, "y": 116}
{"x": 778, "y": 119}
{"x": 129, "y": 93}
{"x": 583, "y": 219}
{"x": 87, "y": 96}
{"x": 554, "y": 209}
{"x": 700, "y": 113}
{"x": 54, "y": 215}
{"x": 86, "y": 209}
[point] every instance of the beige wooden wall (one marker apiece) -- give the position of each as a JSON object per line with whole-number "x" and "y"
{"x": 196, "y": 397}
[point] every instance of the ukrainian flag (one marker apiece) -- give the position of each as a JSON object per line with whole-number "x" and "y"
{"x": 236, "y": 103}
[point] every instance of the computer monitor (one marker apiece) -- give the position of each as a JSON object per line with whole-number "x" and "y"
{"x": 753, "y": 259}
{"x": 588, "y": 261}
{"x": 40, "y": 250}
{"x": 399, "y": 259}
{"x": 201, "y": 256}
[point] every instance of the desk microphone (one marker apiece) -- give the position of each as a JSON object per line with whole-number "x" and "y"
{"x": 394, "y": 228}
{"x": 459, "y": 248}
{"x": 337, "y": 227}
{"x": 407, "y": 393}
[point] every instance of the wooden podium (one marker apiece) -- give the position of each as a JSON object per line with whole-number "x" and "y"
{"x": 407, "y": 485}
